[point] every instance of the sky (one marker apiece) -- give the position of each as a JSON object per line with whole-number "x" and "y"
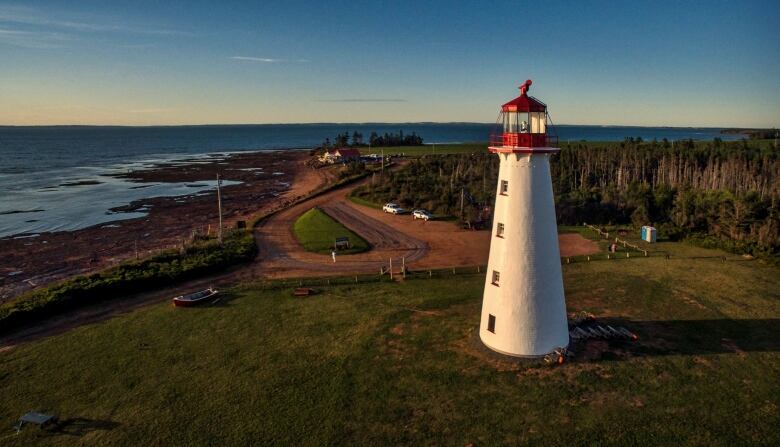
{"x": 702, "y": 63}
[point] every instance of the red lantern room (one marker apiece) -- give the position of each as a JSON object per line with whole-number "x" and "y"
{"x": 522, "y": 126}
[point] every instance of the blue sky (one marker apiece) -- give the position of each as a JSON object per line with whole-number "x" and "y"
{"x": 714, "y": 63}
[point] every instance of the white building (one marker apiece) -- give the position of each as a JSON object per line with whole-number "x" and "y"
{"x": 523, "y": 307}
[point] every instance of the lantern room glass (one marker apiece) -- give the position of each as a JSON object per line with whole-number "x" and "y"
{"x": 516, "y": 122}
{"x": 538, "y": 122}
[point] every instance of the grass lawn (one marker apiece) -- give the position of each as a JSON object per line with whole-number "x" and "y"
{"x": 428, "y": 149}
{"x": 364, "y": 202}
{"x": 317, "y": 232}
{"x": 400, "y": 364}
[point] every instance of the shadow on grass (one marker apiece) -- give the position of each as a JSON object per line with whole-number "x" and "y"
{"x": 81, "y": 426}
{"x": 685, "y": 337}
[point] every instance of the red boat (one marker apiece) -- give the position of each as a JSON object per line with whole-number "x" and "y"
{"x": 193, "y": 299}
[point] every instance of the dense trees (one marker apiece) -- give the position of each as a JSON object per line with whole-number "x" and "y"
{"x": 725, "y": 194}
{"x": 374, "y": 140}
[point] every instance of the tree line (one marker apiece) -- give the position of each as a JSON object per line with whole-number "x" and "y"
{"x": 724, "y": 194}
{"x": 387, "y": 139}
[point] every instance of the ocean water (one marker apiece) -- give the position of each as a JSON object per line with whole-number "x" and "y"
{"x": 55, "y": 178}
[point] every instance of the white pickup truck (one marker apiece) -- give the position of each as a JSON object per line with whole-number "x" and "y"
{"x": 393, "y": 208}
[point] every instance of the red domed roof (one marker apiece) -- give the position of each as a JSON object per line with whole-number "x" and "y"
{"x": 524, "y": 103}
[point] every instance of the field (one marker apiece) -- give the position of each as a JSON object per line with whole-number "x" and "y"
{"x": 399, "y": 363}
{"x": 317, "y": 232}
{"x": 427, "y": 149}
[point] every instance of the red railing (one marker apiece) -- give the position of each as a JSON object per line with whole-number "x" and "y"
{"x": 523, "y": 140}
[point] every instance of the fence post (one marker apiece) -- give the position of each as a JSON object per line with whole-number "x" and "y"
{"x": 628, "y": 254}
{"x": 568, "y": 260}
{"x": 391, "y": 269}
{"x": 430, "y": 274}
{"x": 356, "y": 281}
{"x": 588, "y": 258}
{"x": 453, "y": 270}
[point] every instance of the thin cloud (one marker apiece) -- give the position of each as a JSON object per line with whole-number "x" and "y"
{"x": 266, "y": 60}
{"x": 32, "y": 17}
{"x": 153, "y": 110}
{"x": 32, "y": 39}
{"x": 362, "y": 100}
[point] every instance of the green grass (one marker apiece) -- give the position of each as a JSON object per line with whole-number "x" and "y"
{"x": 364, "y": 202}
{"x": 317, "y": 232}
{"x": 428, "y": 149}
{"x": 361, "y": 365}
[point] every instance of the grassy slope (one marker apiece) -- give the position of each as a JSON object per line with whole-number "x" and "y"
{"x": 357, "y": 365}
{"x": 316, "y": 231}
{"x": 427, "y": 149}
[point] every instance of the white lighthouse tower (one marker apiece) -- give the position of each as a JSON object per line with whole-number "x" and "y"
{"x": 523, "y": 308}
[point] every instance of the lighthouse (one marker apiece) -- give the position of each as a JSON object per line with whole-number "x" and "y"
{"x": 523, "y": 307}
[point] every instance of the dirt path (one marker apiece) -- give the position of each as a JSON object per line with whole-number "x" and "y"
{"x": 281, "y": 255}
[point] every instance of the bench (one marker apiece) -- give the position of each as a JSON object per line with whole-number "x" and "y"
{"x": 304, "y": 291}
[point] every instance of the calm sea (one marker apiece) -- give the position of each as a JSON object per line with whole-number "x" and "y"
{"x": 54, "y": 178}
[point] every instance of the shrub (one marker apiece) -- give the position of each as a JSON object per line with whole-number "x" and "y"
{"x": 129, "y": 278}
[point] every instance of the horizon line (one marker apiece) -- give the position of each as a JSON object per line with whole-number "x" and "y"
{"x": 364, "y": 123}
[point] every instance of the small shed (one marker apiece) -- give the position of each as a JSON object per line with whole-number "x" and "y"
{"x": 648, "y": 234}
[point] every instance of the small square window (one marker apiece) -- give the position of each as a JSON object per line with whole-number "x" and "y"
{"x": 492, "y": 323}
{"x": 500, "y": 230}
{"x": 496, "y": 277}
{"x": 504, "y": 187}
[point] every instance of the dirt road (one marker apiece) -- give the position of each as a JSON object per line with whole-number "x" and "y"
{"x": 422, "y": 245}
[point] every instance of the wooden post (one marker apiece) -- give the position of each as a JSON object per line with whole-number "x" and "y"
{"x": 219, "y": 209}
{"x": 403, "y": 267}
{"x": 588, "y": 258}
{"x": 430, "y": 274}
{"x": 391, "y": 268}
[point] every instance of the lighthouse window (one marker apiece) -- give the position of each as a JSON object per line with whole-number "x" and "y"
{"x": 492, "y": 323}
{"x": 496, "y": 277}
{"x": 538, "y": 122}
{"x": 504, "y": 187}
{"x": 500, "y": 230}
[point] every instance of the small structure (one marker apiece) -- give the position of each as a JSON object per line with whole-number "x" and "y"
{"x": 33, "y": 417}
{"x": 340, "y": 156}
{"x": 648, "y": 234}
{"x": 341, "y": 243}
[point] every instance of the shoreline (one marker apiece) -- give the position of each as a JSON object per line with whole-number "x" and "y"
{"x": 29, "y": 261}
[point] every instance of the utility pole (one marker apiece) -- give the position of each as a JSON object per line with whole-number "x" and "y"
{"x": 219, "y": 208}
{"x": 461, "y": 202}
{"x": 383, "y": 161}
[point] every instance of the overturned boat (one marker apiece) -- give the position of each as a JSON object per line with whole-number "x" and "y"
{"x": 193, "y": 299}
